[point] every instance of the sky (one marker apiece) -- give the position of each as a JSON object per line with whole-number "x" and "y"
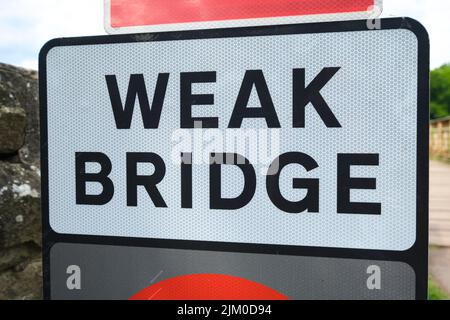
{"x": 26, "y": 25}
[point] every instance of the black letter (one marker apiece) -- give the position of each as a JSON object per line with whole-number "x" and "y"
{"x": 149, "y": 182}
{"x": 136, "y": 87}
{"x": 311, "y": 201}
{"x": 186, "y": 180}
{"x": 215, "y": 183}
{"x": 267, "y": 110}
{"x": 188, "y": 99}
{"x": 81, "y": 158}
{"x": 346, "y": 183}
{"x": 304, "y": 95}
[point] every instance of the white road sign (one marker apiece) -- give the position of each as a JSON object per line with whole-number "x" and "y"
{"x": 307, "y": 140}
{"x": 334, "y": 116}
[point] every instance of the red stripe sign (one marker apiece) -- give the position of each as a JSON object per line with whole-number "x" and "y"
{"x": 124, "y": 16}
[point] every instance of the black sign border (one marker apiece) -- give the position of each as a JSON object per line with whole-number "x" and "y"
{"x": 416, "y": 256}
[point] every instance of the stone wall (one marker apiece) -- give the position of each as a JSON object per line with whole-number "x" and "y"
{"x": 20, "y": 215}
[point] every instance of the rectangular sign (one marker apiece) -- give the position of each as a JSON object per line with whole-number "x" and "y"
{"x": 302, "y": 139}
{"x": 148, "y": 272}
{"x": 126, "y": 16}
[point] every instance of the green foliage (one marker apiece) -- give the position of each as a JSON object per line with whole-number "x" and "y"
{"x": 434, "y": 292}
{"x": 440, "y": 92}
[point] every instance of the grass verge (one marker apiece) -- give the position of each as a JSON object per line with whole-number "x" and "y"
{"x": 435, "y": 292}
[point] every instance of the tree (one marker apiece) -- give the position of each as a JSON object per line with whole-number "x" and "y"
{"x": 440, "y": 92}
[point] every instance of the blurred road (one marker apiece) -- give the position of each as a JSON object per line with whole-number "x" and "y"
{"x": 440, "y": 267}
{"x": 439, "y": 204}
{"x": 439, "y": 262}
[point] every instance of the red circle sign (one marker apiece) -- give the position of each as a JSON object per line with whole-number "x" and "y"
{"x": 208, "y": 287}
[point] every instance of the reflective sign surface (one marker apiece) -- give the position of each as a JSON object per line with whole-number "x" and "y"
{"x": 125, "y": 16}
{"x": 302, "y": 141}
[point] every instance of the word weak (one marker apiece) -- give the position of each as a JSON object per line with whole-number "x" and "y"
{"x": 309, "y": 203}
{"x": 254, "y": 80}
